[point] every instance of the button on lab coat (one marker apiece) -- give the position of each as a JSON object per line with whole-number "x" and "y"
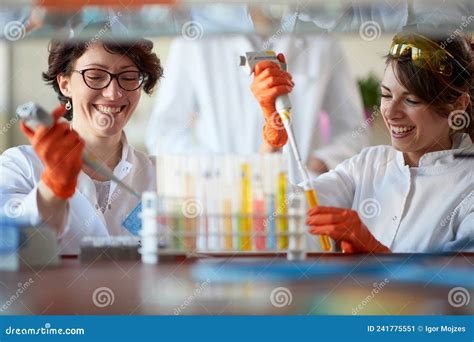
{"x": 20, "y": 174}
{"x": 429, "y": 208}
{"x": 204, "y": 77}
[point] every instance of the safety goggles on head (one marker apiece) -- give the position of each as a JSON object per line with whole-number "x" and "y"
{"x": 424, "y": 53}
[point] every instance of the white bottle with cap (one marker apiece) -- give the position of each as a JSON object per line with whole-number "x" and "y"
{"x": 149, "y": 232}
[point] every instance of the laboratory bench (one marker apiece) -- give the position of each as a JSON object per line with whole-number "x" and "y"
{"x": 266, "y": 284}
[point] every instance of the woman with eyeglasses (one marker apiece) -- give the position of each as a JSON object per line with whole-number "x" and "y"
{"x": 412, "y": 196}
{"x": 100, "y": 84}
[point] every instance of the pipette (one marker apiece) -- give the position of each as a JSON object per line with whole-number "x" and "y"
{"x": 283, "y": 107}
{"x": 33, "y": 115}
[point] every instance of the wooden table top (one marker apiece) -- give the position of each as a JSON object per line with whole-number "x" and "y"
{"x": 182, "y": 287}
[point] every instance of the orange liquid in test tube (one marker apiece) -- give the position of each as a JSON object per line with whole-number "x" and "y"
{"x": 313, "y": 201}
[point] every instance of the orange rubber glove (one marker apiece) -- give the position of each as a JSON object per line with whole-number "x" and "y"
{"x": 271, "y": 81}
{"x": 345, "y": 226}
{"x": 60, "y": 149}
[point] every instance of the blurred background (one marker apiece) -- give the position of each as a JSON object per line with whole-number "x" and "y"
{"x": 363, "y": 29}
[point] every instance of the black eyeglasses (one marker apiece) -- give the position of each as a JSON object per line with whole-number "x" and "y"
{"x": 98, "y": 79}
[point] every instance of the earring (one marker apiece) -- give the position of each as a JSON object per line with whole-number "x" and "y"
{"x": 68, "y": 105}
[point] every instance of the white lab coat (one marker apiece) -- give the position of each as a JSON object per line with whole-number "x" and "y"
{"x": 20, "y": 174}
{"x": 204, "y": 77}
{"x": 429, "y": 208}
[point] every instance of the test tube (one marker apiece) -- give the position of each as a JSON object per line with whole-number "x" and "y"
{"x": 227, "y": 203}
{"x": 282, "y": 209}
{"x": 163, "y": 229}
{"x": 212, "y": 205}
{"x": 161, "y": 210}
{"x": 269, "y": 193}
{"x": 246, "y": 208}
{"x": 192, "y": 207}
{"x": 166, "y": 189}
{"x": 218, "y": 202}
{"x": 177, "y": 200}
{"x": 313, "y": 201}
{"x": 236, "y": 201}
{"x": 258, "y": 206}
{"x": 202, "y": 197}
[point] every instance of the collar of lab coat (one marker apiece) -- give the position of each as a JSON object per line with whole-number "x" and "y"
{"x": 86, "y": 185}
{"x": 439, "y": 161}
{"x": 123, "y": 167}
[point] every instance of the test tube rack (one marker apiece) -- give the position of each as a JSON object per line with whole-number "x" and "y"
{"x": 229, "y": 204}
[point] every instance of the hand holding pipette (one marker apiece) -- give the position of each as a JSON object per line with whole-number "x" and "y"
{"x": 61, "y": 150}
{"x": 271, "y": 82}
{"x": 271, "y": 86}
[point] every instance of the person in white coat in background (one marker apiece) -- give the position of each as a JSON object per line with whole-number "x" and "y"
{"x": 204, "y": 105}
{"x": 416, "y": 195}
{"x": 100, "y": 85}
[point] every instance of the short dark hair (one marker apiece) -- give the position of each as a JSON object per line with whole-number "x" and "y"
{"x": 440, "y": 91}
{"x": 63, "y": 54}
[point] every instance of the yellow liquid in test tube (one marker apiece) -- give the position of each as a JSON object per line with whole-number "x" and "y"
{"x": 246, "y": 209}
{"x": 313, "y": 201}
{"x": 282, "y": 211}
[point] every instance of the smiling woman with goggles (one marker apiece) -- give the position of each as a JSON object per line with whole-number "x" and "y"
{"x": 420, "y": 191}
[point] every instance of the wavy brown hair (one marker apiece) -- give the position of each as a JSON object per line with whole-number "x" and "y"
{"x": 63, "y": 54}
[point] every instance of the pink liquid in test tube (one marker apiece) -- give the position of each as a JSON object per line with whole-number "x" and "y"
{"x": 259, "y": 223}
